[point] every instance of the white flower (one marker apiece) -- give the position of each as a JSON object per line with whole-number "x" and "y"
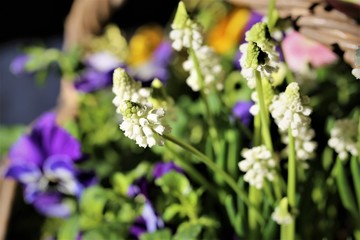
{"x": 258, "y": 165}
{"x": 187, "y": 36}
{"x": 255, "y": 59}
{"x": 290, "y": 110}
{"x": 281, "y": 214}
{"x": 125, "y": 88}
{"x": 356, "y": 73}
{"x": 304, "y": 144}
{"x": 210, "y": 68}
{"x": 268, "y": 94}
{"x": 143, "y": 124}
{"x": 185, "y": 32}
{"x": 344, "y": 138}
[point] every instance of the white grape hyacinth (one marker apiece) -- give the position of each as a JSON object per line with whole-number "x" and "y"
{"x": 291, "y": 110}
{"x": 281, "y": 214}
{"x": 186, "y": 37}
{"x": 125, "y": 88}
{"x": 268, "y": 62}
{"x": 344, "y": 137}
{"x": 143, "y": 124}
{"x": 210, "y": 68}
{"x": 185, "y": 33}
{"x": 258, "y": 165}
{"x": 304, "y": 144}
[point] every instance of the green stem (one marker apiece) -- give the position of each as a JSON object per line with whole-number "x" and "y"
{"x": 209, "y": 163}
{"x": 263, "y": 113}
{"x": 195, "y": 174}
{"x": 255, "y": 199}
{"x": 271, "y": 9}
{"x": 355, "y": 173}
{"x": 291, "y": 188}
{"x": 345, "y": 192}
{"x": 257, "y": 130}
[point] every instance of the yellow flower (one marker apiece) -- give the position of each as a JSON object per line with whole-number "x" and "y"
{"x": 226, "y": 34}
{"x": 144, "y": 42}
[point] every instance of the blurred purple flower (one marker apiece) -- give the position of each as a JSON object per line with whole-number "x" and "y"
{"x": 241, "y": 110}
{"x": 155, "y": 67}
{"x": 162, "y": 168}
{"x": 98, "y": 72}
{"x": 140, "y": 186}
{"x": 18, "y": 65}
{"x": 147, "y": 222}
{"x": 43, "y": 162}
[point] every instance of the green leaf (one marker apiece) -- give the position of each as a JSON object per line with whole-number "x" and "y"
{"x": 355, "y": 172}
{"x": 70, "y": 229}
{"x": 8, "y": 136}
{"x": 92, "y": 204}
{"x": 171, "y": 211}
{"x": 345, "y": 192}
{"x": 188, "y": 231}
{"x": 174, "y": 183}
{"x": 120, "y": 183}
{"x": 163, "y": 234}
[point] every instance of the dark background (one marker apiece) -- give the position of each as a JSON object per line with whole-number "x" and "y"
{"x": 26, "y": 22}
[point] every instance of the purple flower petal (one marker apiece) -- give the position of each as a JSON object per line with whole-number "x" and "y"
{"x": 47, "y": 119}
{"x": 162, "y": 168}
{"x": 133, "y": 191}
{"x": 137, "y": 230}
{"x": 92, "y": 80}
{"x": 57, "y": 140}
{"x": 163, "y": 53}
{"x": 241, "y": 110}
{"x": 147, "y": 222}
{"x": 152, "y": 221}
{"x": 24, "y": 173}
{"x": 140, "y": 186}
{"x": 18, "y": 65}
{"x": 52, "y": 205}
{"x": 255, "y": 17}
{"x": 26, "y": 151}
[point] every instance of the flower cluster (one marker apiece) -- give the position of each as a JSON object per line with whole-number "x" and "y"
{"x": 258, "y": 165}
{"x": 143, "y": 124}
{"x": 258, "y": 54}
{"x": 344, "y": 138}
{"x": 203, "y": 64}
{"x": 185, "y": 32}
{"x": 140, "y": 121}
{"x": 290, "y": 110}
{"x": 211, "y": 69}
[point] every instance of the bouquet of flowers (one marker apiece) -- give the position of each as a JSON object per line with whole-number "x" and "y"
{"x": 225, "y": 124}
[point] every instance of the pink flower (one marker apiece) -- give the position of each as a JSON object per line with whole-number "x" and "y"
{"x": 299, "y": 51}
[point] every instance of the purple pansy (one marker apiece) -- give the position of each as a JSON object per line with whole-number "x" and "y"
{"x": 43, "y": 162}
{"x": 98, "y": 72}
{"x": 155, "y": 67}
{"x": 18, "y": 65}
{"x": 162, "y": 168}
{"x": 149, "y": 221}
{"x": 241, "y": 110}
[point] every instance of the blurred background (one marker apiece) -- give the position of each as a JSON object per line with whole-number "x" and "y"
{"x": 25, "y": 23}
